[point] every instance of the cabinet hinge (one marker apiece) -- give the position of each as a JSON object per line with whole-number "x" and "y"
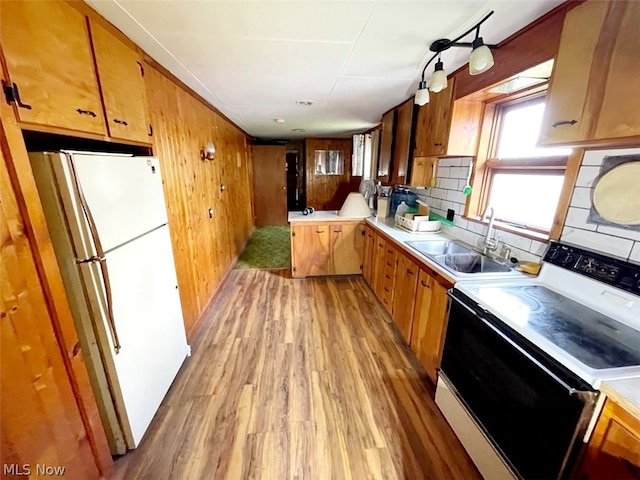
{"x": 294, "y": 269}
{"x": 293, "y": 234}
{"x": 141, "y": 68}
{"x": 12, "y": 95}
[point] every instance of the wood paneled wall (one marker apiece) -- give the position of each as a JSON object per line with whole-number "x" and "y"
{"x": 204, "y": 247}
{"x": 328, "y": 192}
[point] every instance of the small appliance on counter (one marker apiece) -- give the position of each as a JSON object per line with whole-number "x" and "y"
{"x": 402, "y": 194}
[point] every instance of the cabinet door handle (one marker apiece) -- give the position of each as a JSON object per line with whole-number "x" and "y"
{"x": 424, "y": 284}
{"x": 86, "y": 112}
{"x": 387, "y": 276}
{"x": 386, "y": 289}
{"x": 319, "y": 231}
{"x": 409, "y": 272}
{"x": 564, "y": 122}
{"x": 120, "y": 122}
{"x": 437, "y": 144}
{"x": 12, "y": 94}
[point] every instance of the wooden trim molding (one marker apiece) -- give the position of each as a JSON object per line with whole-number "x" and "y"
{"x": 570, "y": 177}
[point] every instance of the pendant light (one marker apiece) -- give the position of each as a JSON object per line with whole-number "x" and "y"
{"x": 480, "y": 61}
{"x": 422, "y": 95}
{"x": 438, "y": 80}
{"x": 481, "y": 58}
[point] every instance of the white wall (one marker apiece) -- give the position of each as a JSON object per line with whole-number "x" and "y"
{"x": 451, "y": 179}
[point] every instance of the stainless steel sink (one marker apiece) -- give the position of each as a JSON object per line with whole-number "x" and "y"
{"x": 458, "y": 258}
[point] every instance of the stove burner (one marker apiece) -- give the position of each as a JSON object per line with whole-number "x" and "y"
{"x": 589, "y": 336}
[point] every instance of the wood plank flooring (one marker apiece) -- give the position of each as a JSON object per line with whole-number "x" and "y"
{"x": 298, "y": 379}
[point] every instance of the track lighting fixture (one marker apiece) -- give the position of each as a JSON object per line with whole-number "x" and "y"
{"x": 480, "y": 61}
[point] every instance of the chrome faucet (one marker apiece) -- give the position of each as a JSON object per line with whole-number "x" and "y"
{"x": 489, "y": 243}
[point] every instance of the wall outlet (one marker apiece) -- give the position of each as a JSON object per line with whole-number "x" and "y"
{"x": 450, "y": 214}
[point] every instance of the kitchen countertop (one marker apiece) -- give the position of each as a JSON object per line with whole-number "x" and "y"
{"x": 388, "y": 227}
{"x": 320, "y": 216}
{"x": 624, "y": 392}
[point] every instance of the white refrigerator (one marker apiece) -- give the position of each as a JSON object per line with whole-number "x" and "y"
{"x": 108, "y": 222}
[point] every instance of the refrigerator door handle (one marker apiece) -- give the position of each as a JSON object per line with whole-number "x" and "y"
{"x": 99, "y": 257}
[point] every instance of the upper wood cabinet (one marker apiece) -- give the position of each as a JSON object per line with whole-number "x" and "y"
{"x": 594, "y": 94}
{"x": 48, "y": 54}
{"x": 386, "y": 146}
{"x": 402, "y": 151}
{"x": 433, "y": 123}
{"x": 614, "y": 448}
{"x": 120, "y": 72}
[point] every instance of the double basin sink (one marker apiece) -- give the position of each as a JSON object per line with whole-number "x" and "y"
{"x": 458, "y": 258}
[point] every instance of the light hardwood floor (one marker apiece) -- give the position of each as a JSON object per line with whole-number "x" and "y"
{"x": 298, "y": 379}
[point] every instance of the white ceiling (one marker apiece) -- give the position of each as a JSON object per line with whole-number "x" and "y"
{"x": 355, "y": 60}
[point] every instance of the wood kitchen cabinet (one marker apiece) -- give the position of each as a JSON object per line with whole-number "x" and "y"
{"x": 429, "y": 322}
{"x": 405, "y": 292}
{"x": 377, "y": 273}
{"x": 123, "y": 90}
{"x": 422, "y": 171}
{"x": 48, "y": 55}
{"x": 594, "y": 93}
{"x": 614, "y": 448}
{"x": 402, "y": 151}
{"x": 386, "y": 146}
{"x": 433, "y": 122}
{"x": 329, "y": 248}
{"x": 387, "y": 282}
{"x": 445, "y": 127}
{"x": 367, "y": 254}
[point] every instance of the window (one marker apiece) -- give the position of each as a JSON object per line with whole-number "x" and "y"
{"x": 362, "y": 156}
{"x": 329, "y": 162}
{"x": 523, "y": 183}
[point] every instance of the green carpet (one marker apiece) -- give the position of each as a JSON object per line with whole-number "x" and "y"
{"x": 269, "y": 248}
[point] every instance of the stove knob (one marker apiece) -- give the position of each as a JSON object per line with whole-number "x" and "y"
{"x": 567, "y": 259}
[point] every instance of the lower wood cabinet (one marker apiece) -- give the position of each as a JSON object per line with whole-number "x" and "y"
{"x": 614, "y": 449}
{"x": 388, "y": 279}
{"x": 367, "y": 254}
{"x": 405, "y": 295}
{"x": 377, "y": 260}
{"x": 329, "y": 248}
{"x": 429, "y": 322}
{"x": 415, "y": 297}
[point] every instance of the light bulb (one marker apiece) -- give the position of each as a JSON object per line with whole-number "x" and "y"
{"x": 438, "y": 81}
{"x": 422, "y": 95}
{"x": 481, "y": 58}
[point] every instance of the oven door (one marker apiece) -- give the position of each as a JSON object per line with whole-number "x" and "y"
{"x": 533, "y": 410}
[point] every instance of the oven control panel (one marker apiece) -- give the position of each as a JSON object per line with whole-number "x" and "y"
{"x": 618, "y": 273}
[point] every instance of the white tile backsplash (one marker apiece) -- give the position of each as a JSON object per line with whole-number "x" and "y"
{"x": 586, "y": 176}
{"x": 620, "y": 232}
{"x": 619, "y": 247}
{"x": 581, "y": 197}
{"x": 449, "y": 162}
{"x": 577, "y": 217}
{"x": 619, "y": 242}
{"x": 458, "y": 172}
